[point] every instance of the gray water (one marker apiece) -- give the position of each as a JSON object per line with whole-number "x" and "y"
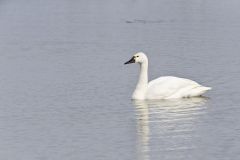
{"x": 65, "y": 93}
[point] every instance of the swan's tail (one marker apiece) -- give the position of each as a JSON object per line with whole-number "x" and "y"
{"x": 206, "y": 88}
{"x": 198, "y": 91}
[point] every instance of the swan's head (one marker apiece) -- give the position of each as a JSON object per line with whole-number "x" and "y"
{"x": 139, "y": 57}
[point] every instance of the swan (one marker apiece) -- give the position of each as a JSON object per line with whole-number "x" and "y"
{"x": 166, "y": 87}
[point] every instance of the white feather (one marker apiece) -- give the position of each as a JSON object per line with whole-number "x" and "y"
{"x": 168, "y": 87}
{"x": 173, "y": 87}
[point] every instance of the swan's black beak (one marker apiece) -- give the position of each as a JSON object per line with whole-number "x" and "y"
{"x": 132, "y": 60}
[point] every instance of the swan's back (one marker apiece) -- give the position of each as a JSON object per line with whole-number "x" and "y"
{"x": 173, "y": 87}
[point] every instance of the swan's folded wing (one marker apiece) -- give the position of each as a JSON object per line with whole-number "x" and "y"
{"x": 164, "y": 87}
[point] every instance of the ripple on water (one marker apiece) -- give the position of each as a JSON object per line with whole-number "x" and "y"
{"x": 168, "y": 123}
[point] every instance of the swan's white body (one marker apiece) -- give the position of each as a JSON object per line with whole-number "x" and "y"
{"x": 164, "y": 87}
{"x": 173, "y": 87}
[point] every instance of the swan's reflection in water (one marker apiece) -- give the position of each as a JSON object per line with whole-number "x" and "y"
{"x": 167, "y": 126}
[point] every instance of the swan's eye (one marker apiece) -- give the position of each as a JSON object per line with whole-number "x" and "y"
{"x": 137, "y": 56}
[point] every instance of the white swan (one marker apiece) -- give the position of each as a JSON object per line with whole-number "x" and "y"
{"x": 163, "y": 87}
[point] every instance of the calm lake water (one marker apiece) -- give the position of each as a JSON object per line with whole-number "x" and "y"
{"x": 65, "y": 93}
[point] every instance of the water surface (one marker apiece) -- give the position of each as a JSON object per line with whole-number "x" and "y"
{"x": 65, "y": 93}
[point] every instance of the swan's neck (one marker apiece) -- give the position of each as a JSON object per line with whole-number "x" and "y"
{"x": 141, "y": 87}
{"x": 143, "y": 77}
